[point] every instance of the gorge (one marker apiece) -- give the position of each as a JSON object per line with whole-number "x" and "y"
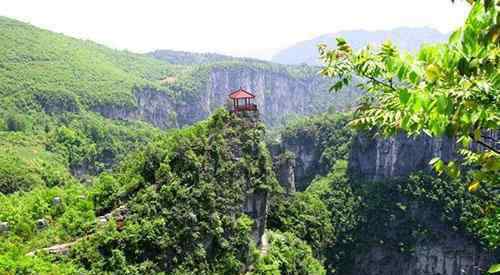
{"x": 113, "y": 162}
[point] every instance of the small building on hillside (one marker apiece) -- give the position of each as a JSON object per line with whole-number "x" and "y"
{"x": 243, "y": 101}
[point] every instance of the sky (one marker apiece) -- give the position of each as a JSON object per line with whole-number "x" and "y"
{"x": 253, "y": 28}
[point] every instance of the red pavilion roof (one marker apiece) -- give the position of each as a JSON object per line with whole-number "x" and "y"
{"x": 240, "y": 93}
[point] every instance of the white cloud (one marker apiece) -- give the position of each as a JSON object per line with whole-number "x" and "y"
{"x": 245, "y": 28}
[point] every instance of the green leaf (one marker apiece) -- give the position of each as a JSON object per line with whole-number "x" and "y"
{"x": 434, "y": 160}
{"x": 414, "y": 77}
{"x": 443, "y": 105}
{"x": 404, "y": 96}
{"x": 456, "y": 36}
{"x": 432, "y": 72}
{"x": 494, "y": 268}
{"x": 473, "y": 187}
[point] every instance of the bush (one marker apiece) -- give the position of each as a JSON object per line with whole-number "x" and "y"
{"x": 287, "y": 254}
{"x": 15, "y": 123}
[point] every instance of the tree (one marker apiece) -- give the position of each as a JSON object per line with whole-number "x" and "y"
{"x": 446, "y": 89}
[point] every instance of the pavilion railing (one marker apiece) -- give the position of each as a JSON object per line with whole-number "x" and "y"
{"x": 246, "y": 107}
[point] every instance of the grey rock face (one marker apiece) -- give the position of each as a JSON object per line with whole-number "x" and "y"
{"x": 452, "y": 253}
{"x": 41, "y": 224}
{"x": 305, "y": 165}
{"x": 279, "y": 95}
{"x": 306, "y": 159}
{"x": 56, "y": 201}
{"x": 256, "y": 207}
{"x": 284, "y": 167}
{"x": 4, "y": 227}
{"x": 454, "y": 257}
{"x": 153, "y": 106}
{"x": 445, "y": 252}
{"x": 374, "y": 158}
{"x": 286, "y": 175}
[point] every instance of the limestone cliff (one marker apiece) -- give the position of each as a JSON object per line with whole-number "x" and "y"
{"x": 151, "y": 105}
{"x": 445, "y": 251}
{"x": 376, "y": 158}
{"x": 280, "y": 95}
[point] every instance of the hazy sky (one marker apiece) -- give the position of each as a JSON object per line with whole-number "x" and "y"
{"x": 255, "y": 28}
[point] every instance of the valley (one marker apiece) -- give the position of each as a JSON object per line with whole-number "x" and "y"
{"x": 113, "y": 162}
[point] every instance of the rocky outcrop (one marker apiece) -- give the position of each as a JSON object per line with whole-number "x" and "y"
{"x": 375, "y": 158}
{"x": 452, "y": 256}
{"x": 307, "y": 154}
{"x": 255, "y": 200}
{"x": 446, "y": 251}
{"x": 279, "y": 95}
{"x": 284, "y": 166}
{"x": 297, "y": 161}
{"x": 443, "y": 252}
{"x": 256, "y": 207}
{"x": 153, "y": 106}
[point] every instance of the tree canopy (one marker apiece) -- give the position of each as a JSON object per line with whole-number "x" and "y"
{"x": 445, "y": 89}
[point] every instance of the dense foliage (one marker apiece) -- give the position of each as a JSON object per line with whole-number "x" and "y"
{"x": 184, "y": 196}
{"x": 69, "y": 218}
{"x": 326, "y": 136}
{"x": 287, "y": 255}
{"x": 187, "y": 201}
{"x": 446, "y": 89}
{"x": 450, "y": 88}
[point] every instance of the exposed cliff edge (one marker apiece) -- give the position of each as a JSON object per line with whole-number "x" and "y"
{"x": 445, "y": 251}
{"x": 452, "y": 255}
{"x": 151, "y": 105}
{"x": 279, "y": 96}
{"x": 310, "y": 148}
{"x": 375, "y": 158}
{"x": 410, "y": 225}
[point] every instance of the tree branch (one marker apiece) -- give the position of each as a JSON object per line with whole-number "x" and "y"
{"x": 381, "y": 82}
{"x": 488, "y": 137}
{"x": 486, "y": 145}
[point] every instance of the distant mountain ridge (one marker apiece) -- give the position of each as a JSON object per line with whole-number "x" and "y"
{"x": 194, "y": 58}
{"x": 406, "y": 38}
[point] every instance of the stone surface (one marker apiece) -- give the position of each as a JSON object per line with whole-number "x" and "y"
{"x": 4, "y": 227}
{"x": 41, "y": 224}
{"x": 256, "y": 207}
{"x": 279, "y": 96}
{"x": 451, "y": 253}
{"x": 305, "y": 165}
{"x": 375, "y": 158}
{"x": 153, "y": 106}
{"x": 284, "y": 167}
{"x": 56, "y": 201}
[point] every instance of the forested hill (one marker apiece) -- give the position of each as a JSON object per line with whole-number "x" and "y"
{"x": 409, "y": 39}
{"x": 190, "y": 58}
{"x": 57, "y": 73}
{"x": 36, "y": 61}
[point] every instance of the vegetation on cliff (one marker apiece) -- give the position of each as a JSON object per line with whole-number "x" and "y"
{"x": 449, "y": 88}
{"x": 446, "y": 89}
{"x": 124, "y": 197}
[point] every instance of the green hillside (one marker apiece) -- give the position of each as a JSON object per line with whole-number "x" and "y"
{"x": 49, "y": 84}
{"x": 39, "y": 61}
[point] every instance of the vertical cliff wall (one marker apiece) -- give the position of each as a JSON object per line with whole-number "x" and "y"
{"x": 279, "y": 95}
{"x": 375, "y": 158}
{"x": 444, "y": 251}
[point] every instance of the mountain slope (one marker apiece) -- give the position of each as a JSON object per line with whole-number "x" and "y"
{"x": 409, "y": 39}
{"x": 32, "y": 59}
{"x": 54, "y": 73}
